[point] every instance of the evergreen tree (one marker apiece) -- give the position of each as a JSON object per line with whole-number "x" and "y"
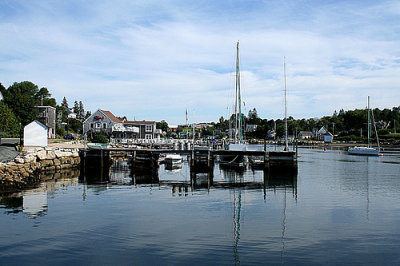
{"x": 88, "y": 113}
{"x": 81, "y": 111}
{"x": 76, "y": 108}
{"x": 64, "y": 103}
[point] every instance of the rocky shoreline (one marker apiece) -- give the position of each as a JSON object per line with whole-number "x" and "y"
{"x": 24, "y": 171}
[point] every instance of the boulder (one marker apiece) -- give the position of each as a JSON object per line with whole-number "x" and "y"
{"x": 42, "y": 155}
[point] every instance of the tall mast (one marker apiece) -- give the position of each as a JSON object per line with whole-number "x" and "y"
{"x": 369, "y": 127}
{"x": 238, "y": 109}
{"x": 286, "y": 127}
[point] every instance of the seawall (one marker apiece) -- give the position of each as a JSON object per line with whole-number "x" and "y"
{"x": 24, "y": 171}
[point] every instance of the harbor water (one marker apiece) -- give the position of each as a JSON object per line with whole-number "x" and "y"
{"x": 338, "y": 209}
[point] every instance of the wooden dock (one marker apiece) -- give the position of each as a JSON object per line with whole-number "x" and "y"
{"x": 201, "y": 159}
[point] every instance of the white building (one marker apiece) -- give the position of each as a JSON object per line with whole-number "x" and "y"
{"x": 35, "y": 134}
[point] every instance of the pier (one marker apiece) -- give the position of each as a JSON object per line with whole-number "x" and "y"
{"x": 201, "y": 159}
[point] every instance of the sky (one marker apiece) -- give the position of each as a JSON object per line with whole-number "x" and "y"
{"x": 152, "y": 60}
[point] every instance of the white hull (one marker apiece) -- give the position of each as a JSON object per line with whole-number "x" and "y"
{"x": 363, "y": 151}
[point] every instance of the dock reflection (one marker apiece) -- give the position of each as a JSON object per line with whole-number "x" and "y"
{"x": 121, "y": 172}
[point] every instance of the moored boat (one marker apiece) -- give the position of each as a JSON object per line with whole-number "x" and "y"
{"x": 369, "y": 151}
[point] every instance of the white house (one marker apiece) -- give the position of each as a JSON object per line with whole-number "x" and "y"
{"x": 305, "y": 135}
{"x": 35, "y": 134}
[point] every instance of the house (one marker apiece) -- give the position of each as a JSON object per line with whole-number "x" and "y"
{"x": 35, "y": 134}
{"x": 202, "y": 125}
{"x": 271, "y": 134}
{"x": 172, "y": 128}
{"x": 305, "y": 135}
{"x": 382, "y": 124}
{"x": 147, "y": 129}
{"x": 72, "y": 115}
{"x": 324, "y": 135}
{"x": 1, "y": 96}
{"x": 251, "y": 128}
{"x": 119, "y": 129}
{"x": 217, "y": 133}
{"x": 47, "y": 116}
{"x": 328, "y": 138}
{"x": 101, "y": 122}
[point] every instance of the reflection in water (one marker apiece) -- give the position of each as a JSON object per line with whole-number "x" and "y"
{"x": 345, "y": 208}
{"x": 184, "y": 180}
{"x": 33, "y": 202}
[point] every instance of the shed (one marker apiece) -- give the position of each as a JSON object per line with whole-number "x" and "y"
{"x": 35, "y": 134}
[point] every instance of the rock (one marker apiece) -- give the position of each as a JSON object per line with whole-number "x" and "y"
{"x": 51, "y": 155}
{"x": 19, "y": 160}
{"x": 42, "y": 155}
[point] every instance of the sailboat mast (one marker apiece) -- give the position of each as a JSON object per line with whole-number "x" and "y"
{"x": 286, "y": 127}
{"x": 237, "y": 99}
{"x": 369, "y": 127}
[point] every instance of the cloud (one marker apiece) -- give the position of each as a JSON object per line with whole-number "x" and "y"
{"x": 152, "y": 60}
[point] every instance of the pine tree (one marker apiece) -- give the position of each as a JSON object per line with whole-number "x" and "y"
{"x": 81, "y": 110}
{"x": 76, "y": 108}
{"x": 64, "y": 103}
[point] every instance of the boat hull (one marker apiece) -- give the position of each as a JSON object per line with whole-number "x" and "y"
{"x": 363, "y": 151}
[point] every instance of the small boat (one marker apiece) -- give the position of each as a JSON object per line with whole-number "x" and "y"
{"x": 369, "y": 151}
{"x": 363, "y": 151}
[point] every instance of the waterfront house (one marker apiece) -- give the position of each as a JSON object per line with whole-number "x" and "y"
{"x": 47, "y": 116}
{"x": 119, "y": 130}
{"x": 305, "y": 135}
{"x": 328, "y": 137}
{"x": 35, "y": 134}
{"x": 324, "y": 135}
{"x": 146, "y": 129}
{"x": 100, "y": 122}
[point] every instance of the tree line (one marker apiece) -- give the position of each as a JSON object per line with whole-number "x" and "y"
{"x": 343, "y": 124}
{"x": 18, "y": 108}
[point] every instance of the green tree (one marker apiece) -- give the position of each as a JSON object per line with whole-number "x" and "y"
{"x": 162, "y": 125}
{"x": 64, "y": 102}
{"x": 8, "y": 122}
{"x": 76, "y": 108}
{"x": 81, "y": 113}
{"x": 22, "y": 98}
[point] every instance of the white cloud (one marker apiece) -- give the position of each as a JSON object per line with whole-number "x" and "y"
{"x": 153, "y": 62}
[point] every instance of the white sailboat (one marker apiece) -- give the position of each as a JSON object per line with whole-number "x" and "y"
{"x": 367, "y": 150}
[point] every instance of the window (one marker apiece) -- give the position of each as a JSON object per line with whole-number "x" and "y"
{"x": 149, "y": 128}
{"x": 148, "y": 136}
{"x": 104, "y": 125}
{"x": 98, "y": 125}
{"x": 91, "y": 125}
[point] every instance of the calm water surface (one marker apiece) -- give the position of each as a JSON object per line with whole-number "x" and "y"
{"x": 340, "y": 209}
